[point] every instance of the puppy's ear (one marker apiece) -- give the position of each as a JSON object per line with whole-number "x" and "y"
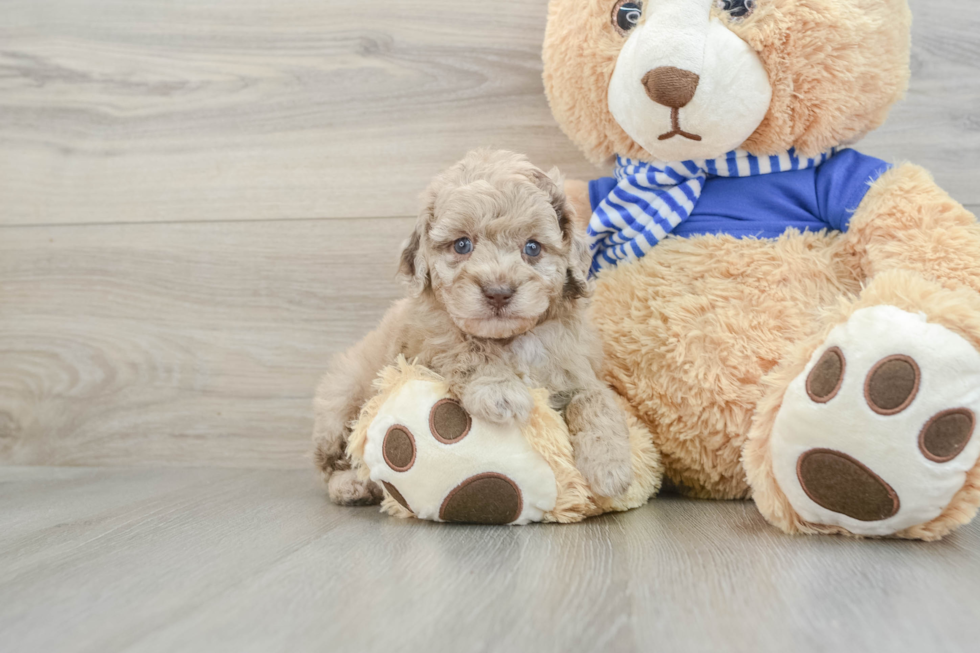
{"x": 413, "y": 268}
{"x": 553, "y": 184}
{"x": 577, "y": 283}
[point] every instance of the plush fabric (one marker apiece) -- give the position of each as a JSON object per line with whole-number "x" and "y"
{"x": 733, "y": 92}
{"x": 957, "y": 310}
{"x": 484, "y": 473}
{"x": 691, "y": 330}
{"x": 717, "y": 337}
{"x": 836, "y": 67}
{"x": 812, "y": 199}
{"x": 944, "y": 373}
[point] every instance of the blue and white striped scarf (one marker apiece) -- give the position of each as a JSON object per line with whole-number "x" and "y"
{"x": 651, "y": 199}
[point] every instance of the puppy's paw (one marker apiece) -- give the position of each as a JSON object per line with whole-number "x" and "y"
{"x": 601, "y": 440}
{"x": 604, "y": 462}
{"x": 346, "y": 489}
{"x": 609, "y": 478}
{"x": 500, "y": 402}
{"x": 329, "y": 448}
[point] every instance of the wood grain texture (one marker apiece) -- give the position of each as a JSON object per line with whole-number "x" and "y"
{"x": 163, "y": 299}
{"x": 143, "y": 110}
{"x": 240, "y": 561}
{"x": 938, "y": 124}
{"x": 180, "y": 344}
{"x": 199, "y": 203}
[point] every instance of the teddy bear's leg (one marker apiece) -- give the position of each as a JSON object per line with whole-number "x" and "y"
{"x": 868, "y": 427}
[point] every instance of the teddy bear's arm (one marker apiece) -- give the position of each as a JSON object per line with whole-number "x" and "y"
{"x": 908, "y": 222}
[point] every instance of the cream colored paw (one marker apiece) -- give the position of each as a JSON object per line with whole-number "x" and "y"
{"x": 443, "y": 464}
{"x": 877, "y": 434}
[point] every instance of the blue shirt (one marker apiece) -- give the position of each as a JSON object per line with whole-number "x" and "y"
{"x": 765, "y": 206}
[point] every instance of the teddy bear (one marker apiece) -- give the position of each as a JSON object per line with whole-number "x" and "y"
{"x": 793, "y": 321}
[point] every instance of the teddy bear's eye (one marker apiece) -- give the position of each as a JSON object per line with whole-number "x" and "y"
{"x": 626, "y": 15}
{"x": 737, "y": 8}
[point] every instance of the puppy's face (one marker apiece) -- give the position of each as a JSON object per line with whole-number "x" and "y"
{"x": 496, "y": 246}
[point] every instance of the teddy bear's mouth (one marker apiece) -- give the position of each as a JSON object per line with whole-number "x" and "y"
{"x": 675, "y": 128}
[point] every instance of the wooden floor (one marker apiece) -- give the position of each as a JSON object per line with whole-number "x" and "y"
{"x": 255, "y": 560}
{"x": 200, "y": 202}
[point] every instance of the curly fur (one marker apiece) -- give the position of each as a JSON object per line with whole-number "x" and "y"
{"x": 490, "y": 356}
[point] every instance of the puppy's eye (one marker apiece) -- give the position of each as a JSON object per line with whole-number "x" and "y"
{"x": 463, "y": 246}
{"x": 737, "y": 8}
{"x": 626, "y": 15}
{"x": 532, "y": 249}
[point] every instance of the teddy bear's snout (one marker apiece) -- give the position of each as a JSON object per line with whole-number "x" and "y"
{"x": 670, "y": 86}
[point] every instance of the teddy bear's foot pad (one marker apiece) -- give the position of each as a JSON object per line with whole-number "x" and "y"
{"x": 441, "y": 464}
{"x": 878, "y": 433}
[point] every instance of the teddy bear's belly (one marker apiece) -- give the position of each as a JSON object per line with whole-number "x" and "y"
{"x": 691, "y": 330}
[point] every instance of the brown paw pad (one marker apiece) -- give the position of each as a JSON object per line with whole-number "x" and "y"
{"x": 483, "y": 499}
{"x": 827, "y": 376}
{"x": 395, "y": 494}
{"x": 946, "y": 435}
{"x": 399, "y": 448}
{"x": 843, "y": 485}
{"x": 892, "y": 385}
{"x": 449, "y": 422}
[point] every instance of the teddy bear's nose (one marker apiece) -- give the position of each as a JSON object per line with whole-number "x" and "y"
{"x": 671, "y": 87}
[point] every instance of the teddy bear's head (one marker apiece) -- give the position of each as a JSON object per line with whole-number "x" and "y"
{"x": 673, "y": 80}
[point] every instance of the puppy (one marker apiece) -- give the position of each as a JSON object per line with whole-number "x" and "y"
{"x": 498, "y": 278}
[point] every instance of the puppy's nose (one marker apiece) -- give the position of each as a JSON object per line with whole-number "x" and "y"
{"x": 498, "y": 296}
{"x": 671, "y": 87}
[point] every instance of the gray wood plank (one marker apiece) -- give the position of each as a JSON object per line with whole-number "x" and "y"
{"x": 159, "y": 111}
{"x": 938, "y": 123}
{"x": 233, "y": 560}
{"x": 200, "y": 343}
{"x": 194, "y": 344}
